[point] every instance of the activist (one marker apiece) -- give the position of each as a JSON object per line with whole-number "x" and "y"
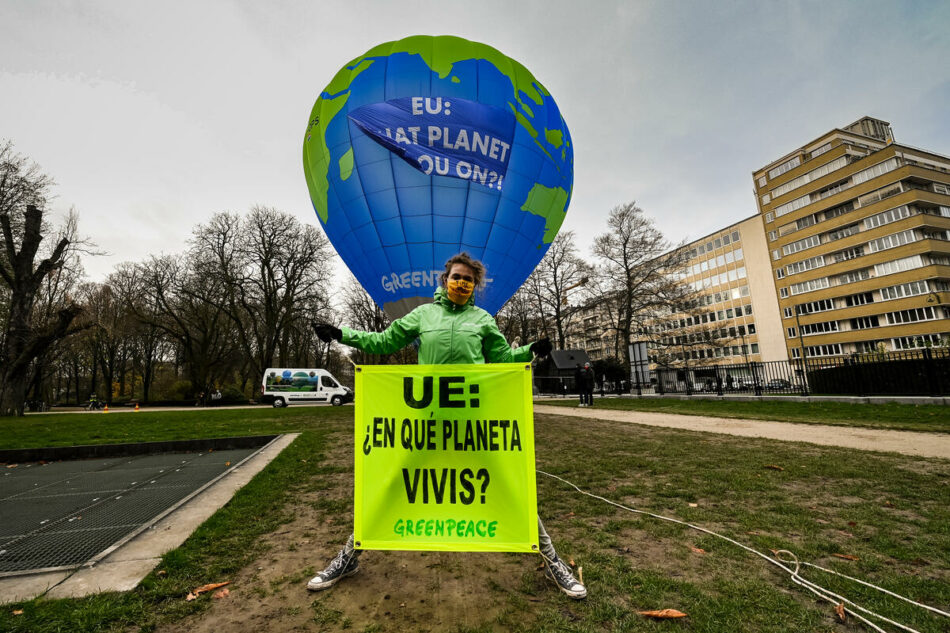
{"x": 442, "y": 341}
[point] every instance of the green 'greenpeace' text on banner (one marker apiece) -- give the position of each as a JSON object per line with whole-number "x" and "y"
{"x": 445, "y": 458}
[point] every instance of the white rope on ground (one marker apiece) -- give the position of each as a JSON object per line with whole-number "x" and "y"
{"x": 818, "y": 590}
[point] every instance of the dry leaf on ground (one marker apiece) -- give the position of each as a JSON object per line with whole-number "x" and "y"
{"x": 18, "y": 612}
{"x": 211, "y": 586}
{"x": 227, "y": 463}
{"x": 204, "y": 589}
{"x": 698, "y": 550}
{"x": 693, "y": 505}
{"x": 774, "y": 467}
{"x": 846, "y": 556}
{"x": 663, "y": 614}
{"x": 839, "y": 609}
{"x": 221, "y": 593}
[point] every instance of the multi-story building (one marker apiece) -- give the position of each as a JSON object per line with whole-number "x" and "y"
{"x": 858, "y": 228}
{"x": 735, "y": 319}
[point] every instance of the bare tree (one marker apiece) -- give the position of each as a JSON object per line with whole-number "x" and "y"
{"x": 270, "y": 266}
{"x": 641, "y": 270}
{"x": 23, "y": 191}
{"x": 518, "y": 319}
{"x": 560, "y": 271}
{"x": 186, "y": 306}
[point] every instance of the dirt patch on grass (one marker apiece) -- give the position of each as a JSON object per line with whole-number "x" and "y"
{"x": 394, "y": 591}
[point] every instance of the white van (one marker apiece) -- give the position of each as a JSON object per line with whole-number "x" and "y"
{"x": 282, "y": 386}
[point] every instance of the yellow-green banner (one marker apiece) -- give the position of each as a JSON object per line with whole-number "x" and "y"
{"x": 445, "y": 458}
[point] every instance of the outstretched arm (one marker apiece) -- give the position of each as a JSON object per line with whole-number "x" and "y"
{"x": 399, "y": 334}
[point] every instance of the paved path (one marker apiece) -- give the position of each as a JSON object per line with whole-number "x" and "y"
{"x": 906, "y": 442}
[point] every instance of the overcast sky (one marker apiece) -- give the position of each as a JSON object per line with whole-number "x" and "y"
{"x": 152, "y": 116}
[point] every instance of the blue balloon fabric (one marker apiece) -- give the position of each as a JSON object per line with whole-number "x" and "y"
{"x": 430, "y": 146}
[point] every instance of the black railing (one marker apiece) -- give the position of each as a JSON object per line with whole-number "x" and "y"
{"x": 918, "y": 372}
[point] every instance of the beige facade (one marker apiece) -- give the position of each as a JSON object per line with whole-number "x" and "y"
{"x": 738, "y": 319}
{"x": 857, "y": 229}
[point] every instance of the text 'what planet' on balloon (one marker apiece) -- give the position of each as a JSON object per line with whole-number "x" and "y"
{"x": 428, "y": 146}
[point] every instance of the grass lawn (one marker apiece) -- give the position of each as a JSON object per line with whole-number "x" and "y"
{"x": 904, "y": 417}
{"x": 888, "y": 511}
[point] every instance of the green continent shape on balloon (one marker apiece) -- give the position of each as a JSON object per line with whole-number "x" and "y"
{"x": 554, "y": 137}
{"x": 549, "y": 203}
{"x": 440, "y": 54}
{"x": 324, "y": 110}
{"x": 346, "y": 164}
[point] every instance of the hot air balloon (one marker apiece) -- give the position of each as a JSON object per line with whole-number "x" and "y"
{"x": 429, "y": 146}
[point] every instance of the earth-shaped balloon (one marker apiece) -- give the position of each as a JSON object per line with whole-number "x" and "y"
{"x": 429, "y": 146}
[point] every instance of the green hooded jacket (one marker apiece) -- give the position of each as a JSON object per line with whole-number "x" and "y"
{"x": 448, "y": 334}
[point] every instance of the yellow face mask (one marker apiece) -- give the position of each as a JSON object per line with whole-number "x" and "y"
{"x": 459, "y": 290}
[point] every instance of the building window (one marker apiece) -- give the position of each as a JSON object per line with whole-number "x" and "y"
{"x": 875, "y": 171}
{"x": 823, "y": 327}
{"x": 783, "y": 292}
{"x": 834, "y": 212}
{"x": 769, "y": 217}
{"x": 821, "y": 305}
{"x": 848, "y": 254}
{"x": 784, "y": 167}
{"x": 911, "y": 316}
{"x": 854, "y": 276}
{"x": 813, "y": 175}
{"x": 755, "y": 348}
{"x": 911, "y": 342}
{"x": 821, "y": 150}
{"x": 886, "y": 217}
{"x": 791, "y": 207}
{"x": 898, "y": 265}
{"x": 863, "y": 323}
{"x": 804, "y": 265}
{"x": 766, "y": 198}
{"x": 788, "y": 313}
{"x": 859, "y": 299}
{"x": 801, "y": 245}
{"x": 892, "y": 241}
{"x": 791, "y": 332}
{"x": 899, "y": 291}
{"x": 810, "y": 285}
{"x": 762, "y": 181}
{"x": 751, "y": 328}
{"x": 780, "y": 273}
{"x": 773, "y": 235}
{"x": 843, "y": 232}
{"x": 776, "y": 254}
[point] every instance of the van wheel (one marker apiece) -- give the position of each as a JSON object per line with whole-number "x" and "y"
{"x": 337, "y": 401}
{"x": 279, "y": 402}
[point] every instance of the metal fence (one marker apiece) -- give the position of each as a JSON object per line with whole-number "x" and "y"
{"x": 919, "y": 372}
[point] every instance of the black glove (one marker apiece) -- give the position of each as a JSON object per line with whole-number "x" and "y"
{"x": 542, "y": 347}
{"x": 327, "y": 332}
